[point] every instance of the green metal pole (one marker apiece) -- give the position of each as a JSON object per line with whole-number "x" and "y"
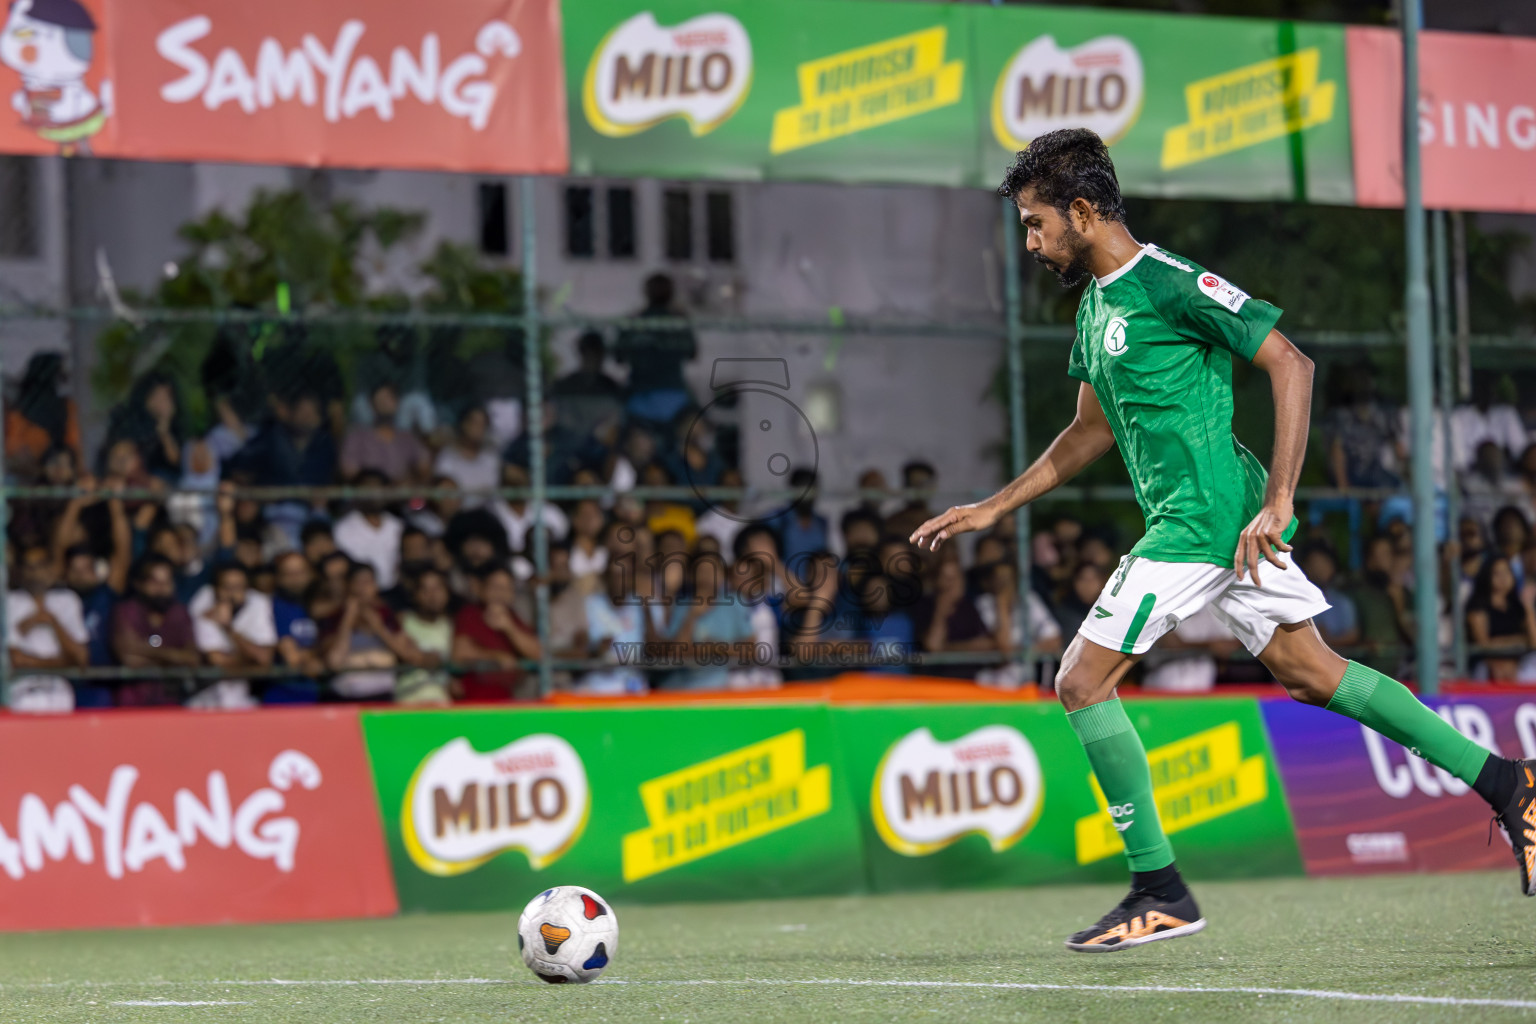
{"x": 1444, "y": 341}
{"x": 533, "y": 368}
{"x": 1013, "y": 310}
{"x": 1420, "y": 370}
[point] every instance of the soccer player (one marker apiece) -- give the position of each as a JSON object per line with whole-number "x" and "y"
{"x": 1155, "y": 339}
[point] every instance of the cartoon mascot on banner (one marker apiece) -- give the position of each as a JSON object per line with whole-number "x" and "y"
{"x": 50, "y": 44}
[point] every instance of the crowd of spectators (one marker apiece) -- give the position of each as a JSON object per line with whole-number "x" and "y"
{"x": 419, "y": 586}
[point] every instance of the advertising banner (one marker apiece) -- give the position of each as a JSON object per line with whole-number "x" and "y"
{"x": 965, "y": 795}
{"x": 858, "y": 90}
{"x": 1212, "y": 107}
{"x": 1363, "y": 805}
{"x": 469, "y": 86}
{"x": 483, "y": 809}
{"x": 170, "y": 818}
{"x": 1477, "y": 119}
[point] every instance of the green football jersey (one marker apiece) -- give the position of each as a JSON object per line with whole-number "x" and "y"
{"x": 1155, "y": 340}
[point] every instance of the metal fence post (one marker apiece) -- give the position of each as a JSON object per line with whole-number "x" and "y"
{"x": 1420, "y": 372}
{"x": 1013, "y": 310}
{"x": 1444, "y": 340}
{"x": 533, "y": 368}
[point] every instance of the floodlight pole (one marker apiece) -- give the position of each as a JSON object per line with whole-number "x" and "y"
{"x": 533, "y": 367}
{"x": 1013, "y": 310}
{"x": 1420, "y": 371}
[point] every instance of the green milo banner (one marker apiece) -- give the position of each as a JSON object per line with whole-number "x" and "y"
{"x": 484, "y": 808}
{"x": 944, "y": 94}
{"x": 1236, "y": 108}
{"x": 976, "y": 795}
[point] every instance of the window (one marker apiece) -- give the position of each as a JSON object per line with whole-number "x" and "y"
{"x": 719, "y": 227}
{"x": 493, "y": 218}
{"x": 621, "y": 222}
{"x": 18, "y": 206}
{"x": 580, "y": 225}
{"x": 677, "y": 216}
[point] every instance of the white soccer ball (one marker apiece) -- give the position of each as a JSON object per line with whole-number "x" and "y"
{"x": 568, "y": 934}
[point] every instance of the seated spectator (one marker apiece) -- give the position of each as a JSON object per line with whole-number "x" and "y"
{"x": 655, "y": 357}
{"x": 567, "y": 610}
{"x": 316, "y": 541}
{"x": 428, "y": 625}
{"x": 152, "y": 629}
{"x": 1184, "y": 661}
{"x": 1511, "y": 536}
{"x": 586, "y": 397}
{"x": 588, "y": 556}
{"x": 32, "y": 520}
{"x": 329, "y": 592}
{"x": 1007, "y": 619}
{"x": 664, "y": 515}
{"x": 1087, "y": 583}
{"x": 710, "y": 624}
{"x": 1095, "y": 549}
{"x": 363, "y": 642}
{"x": 802, "y": 530}
{"x": 516, "y": 515}
{"x": 433, "y": 520}
{"x": 874, "y": 493}
{"x": 415, "y": 552}
{"x": 489, "y": 631}
{"x": 1385, "y": 609}
{"x": 1487, "y": 485}
{"x": 918, "y": 480}
{"x": 294, "y": 450}
{"x": 45, "y": 628}
{"x": 885, "y": 623}
{"x": 42, "y": 418}
{"x": 723, "y": 520}
{"x": 861, "y": 531}
{"x": 1501, "y": 614}
{"x": 1527, "y": 479}
{"x": 564, "y": 452}
{"x": 1359, "y": 433}
{"x": 370, "y": 533}
{"x": 476, "y": 540}
{"x": 468, "y": 460}
{"x": 1489, "y": 417}
{"x": 947, "y": 621}
{"x": 616, "y": 629}
{"x": 150, "y": 420}
{"x": 382, "y": 446}
{"x": 234, "y": 629}
{"x": 1340, "y": 624}
{"x": 297, "y": 634}
{"x": 77, "y": 564}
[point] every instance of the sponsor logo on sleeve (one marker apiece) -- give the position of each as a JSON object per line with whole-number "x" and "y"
{"x": 643, "y": 73}
{"x": 463, "y": 807}
{"x": 1222, "y": 291}
{"x": 928, "y": 795}
{"x": 1096, "y": 85}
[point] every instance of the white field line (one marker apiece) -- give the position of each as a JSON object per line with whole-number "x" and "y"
{"x": 1295, "y": 993}
{"x": 176, "y": 1002}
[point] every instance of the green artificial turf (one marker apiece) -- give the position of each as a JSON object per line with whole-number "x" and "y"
{"x": 1459, "y": 937}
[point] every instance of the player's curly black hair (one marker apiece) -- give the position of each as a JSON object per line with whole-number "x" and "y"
{"x": 1067, "y": 164}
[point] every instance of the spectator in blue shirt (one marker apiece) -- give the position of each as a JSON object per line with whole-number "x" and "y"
{"x": 1340, "y": 625}
{"x": 802, "y": 530}
{"x": 296, "y": 632}
{"x": 80, "y": 570}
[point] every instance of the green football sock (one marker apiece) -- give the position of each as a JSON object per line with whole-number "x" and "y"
{"x": 1120, "y": 763}
{"x": 1386, "y": 705}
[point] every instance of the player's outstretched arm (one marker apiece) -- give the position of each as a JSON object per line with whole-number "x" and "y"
{"x": 1290, "y": 377}
{"x": 1086, "y": 438}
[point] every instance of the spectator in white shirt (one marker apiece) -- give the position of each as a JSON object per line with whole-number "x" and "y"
{"x": 1184, "y": 661}
{"x": 1487, "y": 419}
{"x": 723, "y": 520}
{"x": 1006, "y": 618}
{"x": 588, "y": 555}
{"x": 234, "y": 629}
{"x": 45, "y": 628}
{"x": 467, "y": 461}
{"x": 371, "y": 534}
{"x": 517, "y": 515}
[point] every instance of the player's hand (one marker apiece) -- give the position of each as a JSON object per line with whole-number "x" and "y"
{"x": 959, "y": 519}
{"x": 1261, "y": 540}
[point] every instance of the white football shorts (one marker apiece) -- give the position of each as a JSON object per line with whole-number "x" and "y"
{"x": 1145, "y": 599}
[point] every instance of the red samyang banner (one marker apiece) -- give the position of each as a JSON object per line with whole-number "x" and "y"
{"x": 169, "y": 818}
{"x": 476, "y": 85}
{"x": 1477, "y": 119}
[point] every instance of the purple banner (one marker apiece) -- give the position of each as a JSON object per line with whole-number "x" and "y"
{"x": 1362, "y": 804}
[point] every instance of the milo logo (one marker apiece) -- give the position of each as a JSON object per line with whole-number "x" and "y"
{"x": 928, "y": 794}
{"x": 1096, "y": 85}
{"x": 643, "y": 73}
{"x": 463, "y": 807}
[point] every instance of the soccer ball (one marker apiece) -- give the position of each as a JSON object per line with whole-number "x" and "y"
{"x": 567, "y": 934}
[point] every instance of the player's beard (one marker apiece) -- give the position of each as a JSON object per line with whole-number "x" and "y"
{"x": 1072, "y": 273}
